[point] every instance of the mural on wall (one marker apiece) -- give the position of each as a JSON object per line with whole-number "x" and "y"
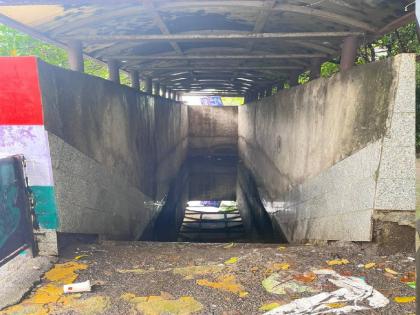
{"x": 22, "y": 132}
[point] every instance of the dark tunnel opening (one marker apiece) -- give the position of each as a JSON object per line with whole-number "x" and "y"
{"x": 213, "y": 199}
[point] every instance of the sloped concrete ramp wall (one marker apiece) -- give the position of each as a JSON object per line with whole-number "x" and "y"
{"x": 333, "y": 156}
{"x": 110, "y": 150}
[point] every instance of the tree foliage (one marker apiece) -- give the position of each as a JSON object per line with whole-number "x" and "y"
{"x": 15, "y": 43}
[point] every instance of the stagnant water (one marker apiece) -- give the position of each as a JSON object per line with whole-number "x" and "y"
{"x": 211, "y": 200}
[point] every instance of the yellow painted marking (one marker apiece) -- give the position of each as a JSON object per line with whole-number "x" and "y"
{"x": 50, "y": 298}
{"x": 65, "y": 273}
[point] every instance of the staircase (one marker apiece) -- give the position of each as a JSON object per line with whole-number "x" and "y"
{"x": 202, "y": 226}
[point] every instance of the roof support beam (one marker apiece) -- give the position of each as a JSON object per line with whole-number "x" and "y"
{"x": 262, "y": 20}
{"x": 75, "y": 55}
{"x": 114, "y": 70}
{"x": 405, "y": 19}
{"x": 42, "y": 37}
{"x": 315, "y": 68}
{"x": 134, "y": 76}
{"x": 348, "y": 53}
{"x": 156, "y": 88}
{"x": 317, "y": 47}
{"x": 224, "y": 68}
{"x": 325, "y": 15}
{"x": 222, "y": 36}
{"x": 164, "y": 28}
{"x": 148, "y": 85}
{"x": 223, "y": 57}
{"x": 304, "y": 10}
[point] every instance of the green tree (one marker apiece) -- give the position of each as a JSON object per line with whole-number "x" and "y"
{"x": 15, "y": 43}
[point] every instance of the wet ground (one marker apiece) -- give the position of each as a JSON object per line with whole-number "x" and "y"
{"x": 188, "y": 278}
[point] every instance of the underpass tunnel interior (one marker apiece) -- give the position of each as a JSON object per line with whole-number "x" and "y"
{"x": 306, "y": 157}
{"x": 206, "y": 207}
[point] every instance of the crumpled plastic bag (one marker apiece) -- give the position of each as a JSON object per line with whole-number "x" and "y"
{"x": 353, "y": 292}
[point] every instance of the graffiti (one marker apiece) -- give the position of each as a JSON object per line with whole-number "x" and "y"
{"x": 9, "y": 135}
{"x": 211, "y": 101}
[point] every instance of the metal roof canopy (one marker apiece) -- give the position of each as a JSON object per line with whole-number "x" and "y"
{"x": 194, "y": 45}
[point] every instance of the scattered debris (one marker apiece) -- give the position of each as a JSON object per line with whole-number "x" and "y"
{"x": 408, "y": 277}
{"x": 231, "y": 261}
{"x": 225, "y": 283}
{"x": 229, "y": 246}
{"x": 157, "y": 305}
{"x": 80, "y": 257}
{"x": 336, "y": 305}
{"x": 370, "y": 265}
{"x": 269, "y": 306}
{"x": 276, "y": 284}
{"x": 305, "y": 277}
{"x": 277, "y": 267}
{"x": 390, "y": 271}
{"x": 349, "y": 298}
{"x": 49, "y": 298}
{"x": 77, "y": 287}
{"x": 337, "y": 262}
{"x": 191, "y": 271}
{"x": 412, "y": 284}
{"x": 405, "y": 299}
{"x": 136, "y": 270}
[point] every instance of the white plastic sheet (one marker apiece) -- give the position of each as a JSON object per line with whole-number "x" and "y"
{"x": 354, "y": 293}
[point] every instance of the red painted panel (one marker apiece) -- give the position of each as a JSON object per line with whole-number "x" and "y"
{"x": 20, "y": 95}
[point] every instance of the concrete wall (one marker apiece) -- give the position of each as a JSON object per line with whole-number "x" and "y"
{"x": 330, "y": 156}
{"x": 114, "y": 152}
{"x": 22, "y": 132}
{"x": 213, "y": 130}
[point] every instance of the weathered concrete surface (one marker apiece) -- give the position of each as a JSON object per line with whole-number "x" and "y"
{"x": 19, "y": 276}
{"x": 212, "y": 178}
{"x": 213, "y": 130}
{"x": 327, "y": 154}
{"x": 256, "y": 220}
{"x": 125, "y": 272}
{"x": 114, "y": 151}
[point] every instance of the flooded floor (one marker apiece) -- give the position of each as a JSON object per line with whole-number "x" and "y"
{"x": 230, "y": 278}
